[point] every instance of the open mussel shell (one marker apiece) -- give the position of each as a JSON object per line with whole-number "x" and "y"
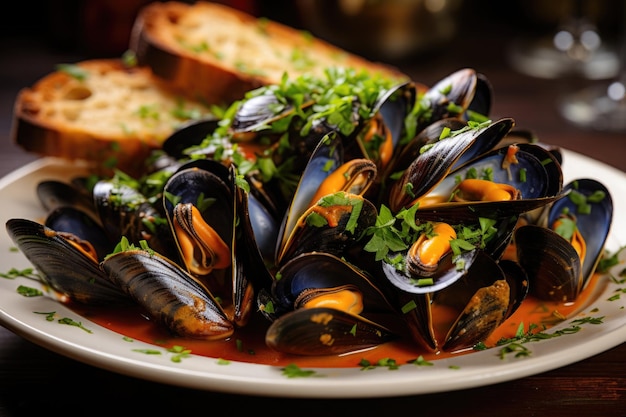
{"x": 207, "y": 185}
{"x": 377, "y": 136}
{"x": 523, "y": 135}
{"x": 458, "y": 88}
{"x": 313, "y": 271}
{"x": 324, "y": 331}
{"x": 72, "y": 220}
{"x": 455, "y": 96}
{"x": 53, "y": 194}
{"x": 555, "y": 268}
{"x": 432, "y": 166}
{"x": 292, "y": 156}
{"x": 125, "y": 211}
{"x": 325, "y": 159}
{"x": 168, "y": 294}
{"x": 68, "y": 270}
{"x": 334, "y": 225}
{"x": 204, "y": 201}
{"x": 537, "y": 176}
{"x": 479, "y": 302}
{"x": 551, "y": 263}
{"x": 188, "y": 136}
{"x": 594, "y": 225}
{"x": 446, "y": 273}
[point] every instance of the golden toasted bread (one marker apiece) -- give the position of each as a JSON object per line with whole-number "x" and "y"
{"x": 219, "y": 53}
{"x": 102, "y": 111}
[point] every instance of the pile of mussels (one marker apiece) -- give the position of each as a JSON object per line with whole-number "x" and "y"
{"x": 343, "y": 215}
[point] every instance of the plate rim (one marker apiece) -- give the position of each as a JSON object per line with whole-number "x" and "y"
{"x": 267, "y": 380}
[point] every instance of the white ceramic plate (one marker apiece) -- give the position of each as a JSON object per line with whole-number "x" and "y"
{"x": 109, "y": 350}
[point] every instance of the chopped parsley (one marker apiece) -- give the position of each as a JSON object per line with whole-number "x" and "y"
{"x": 74, "y": 71}
{"x": 29, "y": 291}
{"x": 294, "y": 371}
{"x": 392, "y": 235}
{"x": 388, "y": 363}
{"x": 515, "y": 344}
{"x": 24, "y": 273}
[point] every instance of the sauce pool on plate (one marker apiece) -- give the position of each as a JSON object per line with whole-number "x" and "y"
{"x": 248, "y": 345}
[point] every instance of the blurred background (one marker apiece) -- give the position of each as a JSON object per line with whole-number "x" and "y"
{"x": 385, "y": 29}
{"x": 559, "y": 47}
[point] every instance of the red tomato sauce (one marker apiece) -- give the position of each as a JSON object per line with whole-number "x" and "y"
{"x": 247, "y": 344}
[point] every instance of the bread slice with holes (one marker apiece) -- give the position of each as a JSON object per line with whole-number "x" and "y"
{"x": 100, "y": 111}
{"x": 219, "y": 53}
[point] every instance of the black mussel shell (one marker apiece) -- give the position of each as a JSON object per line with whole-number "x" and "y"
{"x": 429, "y": 135}
{"x": 324, "y": 331}
{"x": 126, "y": 212}
{"x": 322, "y": 270}
{"x": 457, "y": 88}
{"x": 538, "y": 178}
{"x": 65, "y": 268}
{"x": 210, "y": 186}
{"x": 168, "y": 294}
{"x": 53, "y": 194}
{"x": 555, "y": 269}
{"x": 481, "y": 299}
{"x": 432, "y": 166}
{"x": 188, "y": 135}
{"x": 394, "y": 106}
{"x": 203, "y": 180}
{"x": 551, "y": 263}
{"x": 594, "y": 225}
{"x": 483, "y": 96}
{"x": 75, "y": 221}
{"x": 258, "y": 111}
{"x": 446, "y": 273}
{"x": 333, "y": 225}
{"x": 326, "y": 158}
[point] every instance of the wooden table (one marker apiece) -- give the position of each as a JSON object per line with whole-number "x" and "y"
{"x": 34, "y": 380}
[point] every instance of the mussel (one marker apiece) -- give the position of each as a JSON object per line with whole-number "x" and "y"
{"x": 168, "y": 294}
{"x": 320, "y": 306}
{"x": 561, "y": 253}
{"x": 504, "y": 182}
{"x": 436, "y": 162}
{"x": 201, "y": 205}
{"x": 326, "y": 174}
{"x": 66, "y": 263}
{"x": 460, "y": 315}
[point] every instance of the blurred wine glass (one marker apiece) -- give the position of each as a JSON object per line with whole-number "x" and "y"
{"x": 601, "y": 106}
{"x": 575, "y": 47}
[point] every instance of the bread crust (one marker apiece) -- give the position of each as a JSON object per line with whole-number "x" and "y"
{"x": 218, "y": 53}
{"x": 116, "y": 115}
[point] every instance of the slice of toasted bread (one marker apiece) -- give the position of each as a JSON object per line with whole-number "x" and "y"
{"x": 219, "y": 53}
{"x": 102, "y": 111}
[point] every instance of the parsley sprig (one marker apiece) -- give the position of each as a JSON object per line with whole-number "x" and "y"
{"x": 392, "y": 235}
{"x": 343, "y": 98}
{"x": 516, "y": 344}
{"x": 13, "y": 273}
